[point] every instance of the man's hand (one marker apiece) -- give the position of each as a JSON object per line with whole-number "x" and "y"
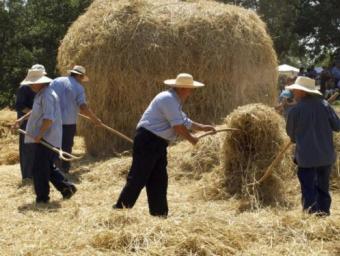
{"x": 16, "y": 125}
{"x": 97, "y": 122}
{"x": 193, "y": 140}
{"x": 38, "y": 138}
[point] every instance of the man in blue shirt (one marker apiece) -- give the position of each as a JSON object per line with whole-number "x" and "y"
{"x": 45, "y": 124}
{"x": 310, "y": 125}
{"x": 72, "y": 101}
{"x": 162, "y": 121}
{"x": 23, "y": 105}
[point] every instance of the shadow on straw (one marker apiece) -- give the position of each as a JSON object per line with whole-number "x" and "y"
{"x": 50, "y": 207}
{"x": 75, "y": 175}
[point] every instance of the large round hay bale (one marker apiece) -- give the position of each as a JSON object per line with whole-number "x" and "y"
{"x": 130, "y": 47}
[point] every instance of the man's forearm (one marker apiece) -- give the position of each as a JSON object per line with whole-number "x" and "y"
{"x": 85, "y": 110}
{"x": 46, "y": 124}
{"x": 182, "y": 131}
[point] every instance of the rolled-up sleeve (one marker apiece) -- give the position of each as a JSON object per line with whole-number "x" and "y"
{"x": 172, "y": 111}
{"x": 48, "y": 108}
{"x": 80, "y": 97}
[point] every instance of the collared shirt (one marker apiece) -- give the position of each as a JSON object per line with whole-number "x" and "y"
{"x": 24, "y": 99}
{"x": 45, "y": 106}
{"x": 164, "y": 112}
{"x": 72, "y": 95}
{"x": 310, "y": 125}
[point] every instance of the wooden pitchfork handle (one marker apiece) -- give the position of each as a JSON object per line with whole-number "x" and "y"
{"x": 214, "y": 132}
{"x": 111, "y": 130}
{"x": 270, "y": 168}
{"x": 62, "y": 154}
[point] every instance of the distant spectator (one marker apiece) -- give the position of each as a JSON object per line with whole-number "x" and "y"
{"x": 335, "y": 71}
{"x": 301, "y": 71}
{"x": 286, "y": 103}
{"x": 311, "y": 73}
{"x": 325, "y": 76}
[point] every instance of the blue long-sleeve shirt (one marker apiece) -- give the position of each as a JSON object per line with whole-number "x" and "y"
{"x": 310, "y": 124}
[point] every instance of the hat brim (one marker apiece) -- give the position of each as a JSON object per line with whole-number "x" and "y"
{"x": 85, "y": 79}
{"x": 302, "y": 88}
{"x": 172, "y": 83}
{"x": 41, "y": 80}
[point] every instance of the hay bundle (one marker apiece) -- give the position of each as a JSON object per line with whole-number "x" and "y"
{"x": 248, "y": 153}
{"x": 130, "y": 47}
{"x": 9, "y": 152}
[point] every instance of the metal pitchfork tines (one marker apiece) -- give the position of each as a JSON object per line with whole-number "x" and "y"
{"x": 62, "y": 154}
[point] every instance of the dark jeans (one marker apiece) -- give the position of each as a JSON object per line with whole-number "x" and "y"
{"x": 44, "y": 170}
{"x": 315, "y": 189}
{"x": 26, "y": 155}
{"x": 148, "y": 170}
{"x": 69, "y": 131}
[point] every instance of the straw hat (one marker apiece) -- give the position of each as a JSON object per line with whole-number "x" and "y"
{"x": 183, "y": 80}
{"x": 36, "y": 76}
{"x": 304, "y": 83}
{"x": 39, "y": 67}
{"x": 80, "y": 70}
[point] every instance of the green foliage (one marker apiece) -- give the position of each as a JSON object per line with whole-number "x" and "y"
{"x": 30, "y": 32}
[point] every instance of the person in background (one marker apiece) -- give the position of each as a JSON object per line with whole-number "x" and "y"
{"x": 301, "y": 71}
{"x": 310, "y": 125}
{"x": 286, "y": 103}
{"x": 162, "y": 121}
{"x": 72, "y": 101}
{"x": 23, "y": 105}
{"x": 335, "y": 71}
{"x": 45, "y": 124}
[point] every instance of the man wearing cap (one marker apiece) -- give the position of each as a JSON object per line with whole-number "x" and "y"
{"x": 161, "y": 122}
{"x": 72, "y": 101}
{"x": 23, "y": 105}
{"x": 310, "y": 125}
{"x": 45, "y": 124}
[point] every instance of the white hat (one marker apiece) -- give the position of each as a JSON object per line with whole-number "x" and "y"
{"x": 183, "y": 80}
{"x": 39, "y": 67}
{"x": 35, "y": 76}
{"x": 304, "y": 83}
{"x": 80, "y": 70}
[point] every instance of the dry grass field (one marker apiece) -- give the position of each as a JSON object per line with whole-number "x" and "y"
{"x": 87, "y": 225}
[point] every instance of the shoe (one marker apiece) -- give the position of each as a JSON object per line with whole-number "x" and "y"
{"x": 42, "y": 201}
{"x": 69, "y": 191}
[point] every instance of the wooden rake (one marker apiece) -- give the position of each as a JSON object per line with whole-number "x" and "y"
{"x": 62, "y": 154}
{"x": 111, "y": 130}
{"x": 217, "y": 131}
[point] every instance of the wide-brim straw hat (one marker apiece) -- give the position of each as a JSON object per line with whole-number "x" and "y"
{"x": 80, "y": 70}
{"x": 36, "y": 76}
{"x": 39, "y": 67}
{"x": 183, "y": 80}
{"x": 304, "y": 83}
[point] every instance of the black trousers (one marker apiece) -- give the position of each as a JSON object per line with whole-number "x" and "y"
{"x": 26, "y": 155}
{"x": 315, "y": 189}
{"x": 69, "y": 131}
{"x": 44, "y": 170}
{"x": 148, "y": 170}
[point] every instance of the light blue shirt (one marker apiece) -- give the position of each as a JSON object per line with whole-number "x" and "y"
{"x": 45, "y": 106}
{"x": 164, "y": 112}
{"x": 72, "y": 95}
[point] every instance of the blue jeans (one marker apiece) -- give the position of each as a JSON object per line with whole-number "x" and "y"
{"x": 314, "y": 183}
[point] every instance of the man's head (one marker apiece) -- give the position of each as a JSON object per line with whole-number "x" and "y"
{"x": 303, "y": 87}
{"x": 183, "y": 85}
{"x": 79, "y": 73}
{"x": 36, "y": 80}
